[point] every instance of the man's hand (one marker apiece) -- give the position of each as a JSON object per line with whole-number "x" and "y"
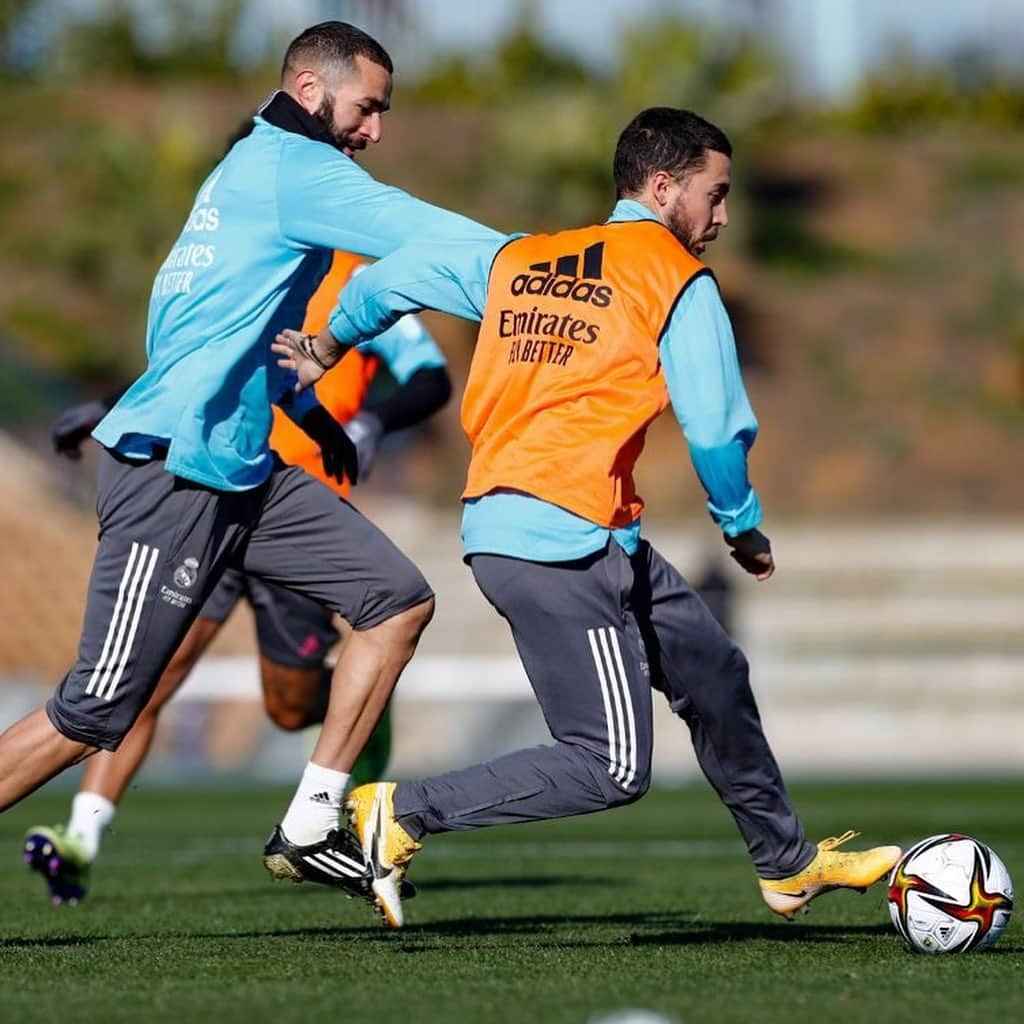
{"x": 365, "y": 431}
{"x": 309, "y": 355}
{"x": 74, "y": 426}
{"x": 752, "y": 551}
{"x": 336, "y": 450}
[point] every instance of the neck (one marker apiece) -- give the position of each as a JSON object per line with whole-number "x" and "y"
{"x": 283, "y": 111}
{"x": 648, "y": 203}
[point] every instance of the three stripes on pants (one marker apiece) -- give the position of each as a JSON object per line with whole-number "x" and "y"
{"x": 117, "y": 646}
{"x": 618, "y": 704}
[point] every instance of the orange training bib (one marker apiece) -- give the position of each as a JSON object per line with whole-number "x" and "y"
{"x": 341, "y": 392}
{"x": 566, "y": 376}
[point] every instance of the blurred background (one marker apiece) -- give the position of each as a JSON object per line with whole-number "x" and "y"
{"x": 873, "y": 268}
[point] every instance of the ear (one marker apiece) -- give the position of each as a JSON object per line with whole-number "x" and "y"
{"x": 660, "y": 185}
{"x": 309, "y": 89}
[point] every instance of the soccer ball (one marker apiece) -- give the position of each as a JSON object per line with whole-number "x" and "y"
{"x": 950, "y": 894}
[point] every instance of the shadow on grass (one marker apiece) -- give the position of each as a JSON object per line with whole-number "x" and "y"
{"x": 655, "y": 929}
{"x": 271, "y": 893}
{"x": 416, "y": 938}
{"x": 521, "y": 882}
{"x": 551, "y": 925}
{"x": 718, "y": 932}
{"x": 54, "y": 942}
{"x": 562, "y": 931}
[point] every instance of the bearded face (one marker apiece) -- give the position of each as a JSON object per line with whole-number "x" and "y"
{"x": 697, "y": 211}
{"x": 351, "y": 111}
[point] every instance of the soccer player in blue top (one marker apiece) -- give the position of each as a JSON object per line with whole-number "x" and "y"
{"x": 294, "y": 633}
{"x": 188, "y": 486}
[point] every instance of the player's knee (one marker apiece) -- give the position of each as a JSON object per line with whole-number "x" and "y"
{"x": 289, "y": 712}
{"x": 642, "y": 782}
{"x": 725, "y": 678}
{"x": 75, "y": 749}
{"x": 737, "y": 664}
{"x": 618, "y": 796}
{"x": 401, "y": 632}
{"x": 290, "y": 718}
{"x": 415, "y": 619}
{"x": 628, "y": 789}
{"x": 419, "y": 617}
{"x": 403, "y": 606}
{"x": 624, "y": 780}
{"x": 734, "y": 677}
{"x": 290, "y": 696}
{"x": 78, "y": 735}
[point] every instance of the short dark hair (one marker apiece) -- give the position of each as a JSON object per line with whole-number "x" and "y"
{"x": 334, "y": 46}
{"x": 664, "y": 139}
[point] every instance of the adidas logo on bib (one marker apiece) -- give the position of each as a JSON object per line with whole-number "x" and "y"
{"x": 568, "y": 279}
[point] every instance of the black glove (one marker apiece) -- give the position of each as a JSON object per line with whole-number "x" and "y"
{"x": 74, "y": 426}
{"x": 338, "y": 453}
{"x": 365, "y": 430}
{"x": 752, "y": 551}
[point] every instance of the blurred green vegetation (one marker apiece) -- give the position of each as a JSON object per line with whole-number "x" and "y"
{"x": 552, "y": 122}
{"x": 874, "y": 247}
{"x": 908, "y": 94}
{"x": 191, "y": 41}
{"x": 89, "y": 203}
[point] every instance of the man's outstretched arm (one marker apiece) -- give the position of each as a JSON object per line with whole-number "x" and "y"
{"x": 332, "y": 202}
{"x": 452, "y": 280}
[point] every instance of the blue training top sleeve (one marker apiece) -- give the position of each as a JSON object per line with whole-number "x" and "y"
{"x": 452, "y": 279}
{"x": 329, "y": 201}
{"x": 698, "y": 356}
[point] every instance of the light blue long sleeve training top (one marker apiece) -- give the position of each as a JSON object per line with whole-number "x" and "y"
{"x": 698, "y": 357}
{"x": 254, "y": 249}
{"x": 405, "y": 348}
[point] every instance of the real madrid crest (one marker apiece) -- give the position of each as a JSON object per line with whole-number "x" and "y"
{"x": 187, "y": 573}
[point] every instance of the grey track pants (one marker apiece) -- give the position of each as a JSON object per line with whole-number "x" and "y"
{"x": 595, "y": 635}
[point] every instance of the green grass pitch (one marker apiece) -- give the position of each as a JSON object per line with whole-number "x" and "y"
{"x": 652, "y": 905}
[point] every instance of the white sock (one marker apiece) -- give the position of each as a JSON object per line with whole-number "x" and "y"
{"x": 90, "y": 815}
{"x": 316, "y": 807}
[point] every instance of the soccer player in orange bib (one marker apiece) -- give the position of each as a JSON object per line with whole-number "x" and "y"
{"x": 586, "y": 336}
{"x": 294, "y": 631}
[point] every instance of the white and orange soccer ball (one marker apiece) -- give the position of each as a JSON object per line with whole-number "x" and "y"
{"x": 950, "y": 894}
